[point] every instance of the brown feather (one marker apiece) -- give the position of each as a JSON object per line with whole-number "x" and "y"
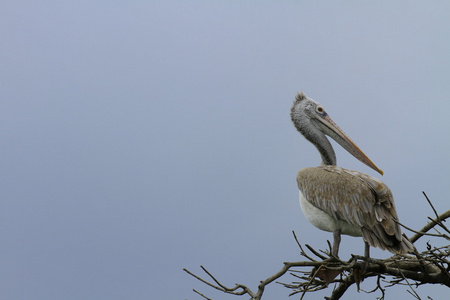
{"x": 357, "y": 199}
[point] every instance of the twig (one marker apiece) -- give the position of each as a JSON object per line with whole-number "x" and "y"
{"x": 309, "y": 282}
{"x": 427, "y": 227}
{"x": 439, "y": 221}
{"x": 315, "y": 252}
{"x": 420, "y": 232}
{"x": 213, "y": 278}
{"x": 201, "y": 294}
{"x": 379, "y": 286}
{"x": 221, "y": 287}
{"x": 431, "y": 204}
{"x": 440, "y": 224}
{"x": 303, "y": 253}
{"x": 414, "y": 293}
{"x": 341, "y": 288}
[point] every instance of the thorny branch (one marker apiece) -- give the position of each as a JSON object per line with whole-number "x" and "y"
{"x": 431, "y": 266}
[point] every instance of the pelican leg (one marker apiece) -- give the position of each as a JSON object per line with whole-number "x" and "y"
{"x": 366, "y": 250}
{"x": 366, "y": 255}
{"x": 336, "y": 242}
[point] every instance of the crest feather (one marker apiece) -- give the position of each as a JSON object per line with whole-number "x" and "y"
{"x": 300, "y": 96}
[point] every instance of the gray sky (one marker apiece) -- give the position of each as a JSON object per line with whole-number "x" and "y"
{"x": 141, "y": 137}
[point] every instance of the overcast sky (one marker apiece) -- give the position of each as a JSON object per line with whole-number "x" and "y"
{"x": 142, "y": 137}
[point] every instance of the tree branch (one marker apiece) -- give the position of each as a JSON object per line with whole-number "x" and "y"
{"x": 429, "y": 226}
{"x": 431, "y": 266}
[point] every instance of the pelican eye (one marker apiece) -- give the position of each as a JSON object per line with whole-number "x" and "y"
{"x": 320, "y": 110}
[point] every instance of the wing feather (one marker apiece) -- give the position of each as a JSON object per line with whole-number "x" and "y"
{"x": 358, "y": 199}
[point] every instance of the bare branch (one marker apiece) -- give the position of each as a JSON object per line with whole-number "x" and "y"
{"x": 431, "y": 266}
{"x": 234, "y": 291}
{"x": 302, "y": 252}
{"x": 201, "y": 294}
{"x": 420, "y": 232}
{"x": 315, "y": 252}
{"x": 341, "y": 288}
{"x": 413, "y": 291}
{"x": 429, "y": 226}
{"x": 431, "y": 204}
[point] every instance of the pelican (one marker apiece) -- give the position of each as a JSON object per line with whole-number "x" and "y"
{"x": 342, "y": 201}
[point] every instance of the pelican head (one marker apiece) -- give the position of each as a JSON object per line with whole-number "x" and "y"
{"x": 313, "y": 122}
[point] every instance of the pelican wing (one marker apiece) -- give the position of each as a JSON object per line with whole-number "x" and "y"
{"x": 358, "y": 199}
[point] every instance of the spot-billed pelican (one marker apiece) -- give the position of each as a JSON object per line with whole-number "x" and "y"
{"x": 342, "y": 201}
